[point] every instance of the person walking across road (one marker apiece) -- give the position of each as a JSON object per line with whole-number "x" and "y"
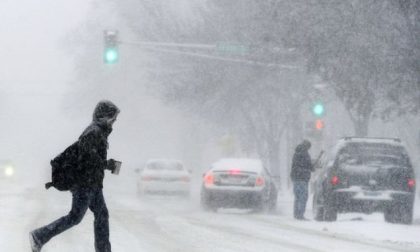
{"x": 87, "y": 189}
{"x": 300, "y": 175}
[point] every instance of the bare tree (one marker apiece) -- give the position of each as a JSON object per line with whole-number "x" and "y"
{"x": 361, "y": 48}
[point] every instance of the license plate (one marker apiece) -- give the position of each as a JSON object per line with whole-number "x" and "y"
{"x": 371, "y": 193}
{"x": 234, "y": 180}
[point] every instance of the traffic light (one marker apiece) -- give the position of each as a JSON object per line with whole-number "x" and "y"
{"x": 319, "y": 124}
{"x": 315, "y": 128}
{"x": 110, "y": 53}
{"x": 318, "y": 109}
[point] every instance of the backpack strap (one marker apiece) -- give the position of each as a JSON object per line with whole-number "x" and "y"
{"x": 48, "y": 185}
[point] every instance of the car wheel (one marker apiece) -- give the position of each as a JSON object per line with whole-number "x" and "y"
{"x": 272, "y": 204}
{"x": 205, "y": 202}
{"x": 330, "y": 212}
{"x": 399, "y": 214}
{"x": 317, "y": 209}
{"x": 259, "y": 207}
{"x": 406, "y": 215}
{"x": 390, "y": 214}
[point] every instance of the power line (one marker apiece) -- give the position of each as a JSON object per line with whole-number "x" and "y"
{"x": 168, "y": 44}
{"x": 147, "y": 46}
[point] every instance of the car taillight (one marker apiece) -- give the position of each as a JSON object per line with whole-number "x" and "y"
{"x": 259, "y": 181}
{"x": 234, "y": 171}
{"x": 335, "y": 180}
{"x": 411, "y": 183}
{"x": 209, "y": 179}
{"x": 146, "y": 178}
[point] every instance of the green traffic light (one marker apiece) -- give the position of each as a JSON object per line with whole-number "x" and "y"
{"x": 318, "y": 109}
{"x": 111, "y": 55}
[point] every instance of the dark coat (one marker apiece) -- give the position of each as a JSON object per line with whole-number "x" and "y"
{"x": 93, "y": 146}
{"x": 301, "y": 164}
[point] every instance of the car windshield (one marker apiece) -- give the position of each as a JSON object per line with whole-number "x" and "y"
{"x": 382, "y": 155}
{"x": 165, "y": 167}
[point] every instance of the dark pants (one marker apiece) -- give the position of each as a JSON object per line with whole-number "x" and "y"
{"x": 82, "y": 200}
{"x": 300, "y": 189}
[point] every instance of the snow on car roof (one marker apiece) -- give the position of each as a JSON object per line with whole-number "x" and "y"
{"x": 165, "y": 161}
{"x": 244, "y": 164}
{"x": 392, "y": 141}
{"x": 164, "y": 164}
{"x": 341, "y": 143}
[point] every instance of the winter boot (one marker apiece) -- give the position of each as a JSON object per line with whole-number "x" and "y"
{"x": 35, "y": 243}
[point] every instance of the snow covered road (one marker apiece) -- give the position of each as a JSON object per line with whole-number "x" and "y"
{"x": 172, "y": 223}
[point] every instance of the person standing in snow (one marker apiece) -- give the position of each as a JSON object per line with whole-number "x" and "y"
{"x": 87, "y": 191}
{"x": 300, "y": 175}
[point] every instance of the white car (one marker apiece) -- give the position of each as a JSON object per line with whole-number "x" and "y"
{"x": 164, "y": 176}
{"x": 243, "y": 183}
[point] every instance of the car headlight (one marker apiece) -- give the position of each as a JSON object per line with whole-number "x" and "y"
{"x": 9, "y": 171}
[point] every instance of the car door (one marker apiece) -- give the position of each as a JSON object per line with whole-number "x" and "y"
{"x": 326, "y": 164}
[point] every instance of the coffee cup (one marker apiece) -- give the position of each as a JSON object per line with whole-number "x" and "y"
{"x": 117, "y": 168}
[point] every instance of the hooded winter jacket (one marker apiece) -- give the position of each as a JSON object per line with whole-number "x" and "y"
{"x": 301, "y": 163}
{"x": 93, "y": 145}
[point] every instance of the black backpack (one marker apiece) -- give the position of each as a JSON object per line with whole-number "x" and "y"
{"x": 64, "y": 169}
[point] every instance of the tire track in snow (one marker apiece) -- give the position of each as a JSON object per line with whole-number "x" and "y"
{"x": 148, "y": 232}
{"x": 162, "y": 217}
{"x": 230, "y": 238}
{"x": 157, "y": 222}
{"x": 268, "y": 242}
{"x": 192, "y": 227}
{"x": 335, "y": 236}
{"x": 199, "y": 237}
{"x": 139, "y": 218}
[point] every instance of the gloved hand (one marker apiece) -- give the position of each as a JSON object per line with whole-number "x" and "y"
{"x": 110, "y": 164}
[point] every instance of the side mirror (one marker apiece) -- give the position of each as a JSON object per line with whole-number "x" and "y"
{"x": 138, "y": 170}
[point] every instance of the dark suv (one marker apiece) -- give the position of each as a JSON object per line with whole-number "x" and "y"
{"x": 365, "y": 175}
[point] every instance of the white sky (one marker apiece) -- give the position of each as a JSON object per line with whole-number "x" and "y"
{"x": 34, "y": 70}
{"x": 30, "y": 31}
